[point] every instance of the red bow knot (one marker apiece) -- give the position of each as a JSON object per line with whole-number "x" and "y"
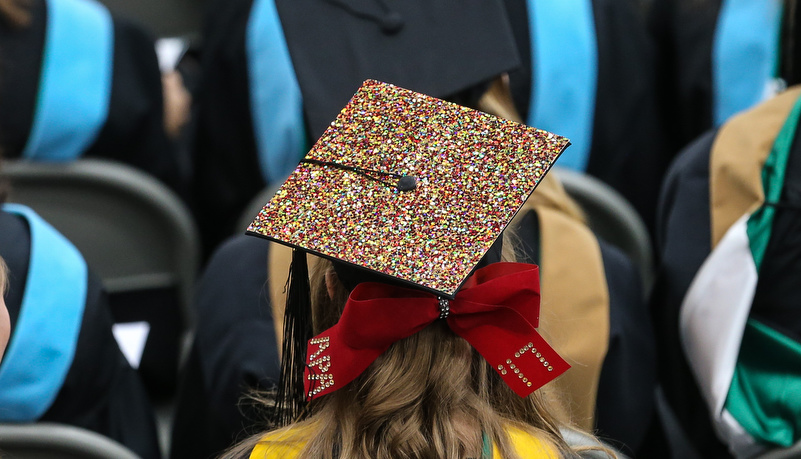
{"x": 496, "y": 311}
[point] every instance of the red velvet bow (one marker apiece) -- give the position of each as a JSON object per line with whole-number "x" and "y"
{"x": 496, "y": 311}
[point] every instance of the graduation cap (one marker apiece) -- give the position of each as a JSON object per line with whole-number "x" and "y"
{"x": 441, "y": 48}
{"x": 404, "y": 186}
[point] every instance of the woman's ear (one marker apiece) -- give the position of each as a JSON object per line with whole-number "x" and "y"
{"x": 331, "y": 281}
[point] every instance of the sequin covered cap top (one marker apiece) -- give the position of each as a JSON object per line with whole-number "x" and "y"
{"x": 470, "y": 173}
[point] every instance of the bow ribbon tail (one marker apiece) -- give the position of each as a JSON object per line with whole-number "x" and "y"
{"x": 331, "y": 364}
{"x": 370, "y": 323}
{"x": 525, "y": 361}
{"x": 496, "y": 311}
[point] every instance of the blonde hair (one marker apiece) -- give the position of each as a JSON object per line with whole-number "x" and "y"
{"x": 428, "y": 395}
{"x": 3, "y": 276}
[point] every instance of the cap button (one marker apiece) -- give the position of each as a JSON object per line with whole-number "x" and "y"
{"x": 391, "y": 23}
{"x": 407, "y": 183}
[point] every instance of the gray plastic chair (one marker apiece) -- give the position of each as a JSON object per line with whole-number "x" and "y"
{"x": 134, "y": 232}
{"x": 57, "y": 441}
{"x": 612, "y": 218}
{"x": 578, "y": 439}
{"x": 793, "y": 452}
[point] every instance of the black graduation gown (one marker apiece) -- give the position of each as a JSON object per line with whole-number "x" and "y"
{"x": 235, "y": 350}
{"x": 683, "y": 32}
{"x": 684, "y": 35}
{"x": 625, "y": 406}
{"x": 684, "y": 242}
{"x": 227, "y": 173}
{"x": 101, "y": 391}
{"x": 627, "y": 150}
{"x": 133, "y": 132}
{"x": 226, "y": 163}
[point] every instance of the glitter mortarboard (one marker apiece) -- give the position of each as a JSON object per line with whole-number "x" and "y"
{"x": 472, "y": 172}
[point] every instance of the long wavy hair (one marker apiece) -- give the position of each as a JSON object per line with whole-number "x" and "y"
{"x": 429, "y": 395}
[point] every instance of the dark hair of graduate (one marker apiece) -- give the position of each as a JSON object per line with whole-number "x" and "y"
{"x": 4, "y": 186}
{"x": 15, "y": 13}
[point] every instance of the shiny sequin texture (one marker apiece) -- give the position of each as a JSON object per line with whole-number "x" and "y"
{"x": 474, "y": 171}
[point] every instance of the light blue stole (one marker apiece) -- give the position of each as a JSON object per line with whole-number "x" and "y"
{"x": 75, "y": 83}
{"x": 43, "y": 341}
{"x": 564, "y": 59}
{"x": 744, "y": 55}
{"x": 276, "y": 103}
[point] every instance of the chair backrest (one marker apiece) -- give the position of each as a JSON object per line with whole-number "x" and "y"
{"x": 134, "y": 232}
{"x": 57, "y": 441}
{"x": 612, "y": 218}
{"x": 254, "y": 206}
{"x": 578, "y": 439}
{"x": 786, "y": 453}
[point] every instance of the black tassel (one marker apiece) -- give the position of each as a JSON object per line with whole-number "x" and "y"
{"x": 291, "y": 399}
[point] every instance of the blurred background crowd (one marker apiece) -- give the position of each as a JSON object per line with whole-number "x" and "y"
{"x": 138, "y": 139}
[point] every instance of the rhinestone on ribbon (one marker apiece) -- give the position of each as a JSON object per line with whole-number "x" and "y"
{"x": 444, "y": 308}
{"x": 320, "y": 364}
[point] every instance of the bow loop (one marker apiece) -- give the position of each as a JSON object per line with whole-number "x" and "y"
{"x": 377, "y": 315}
{"x": 496, "y": 311}
{"x": 512, "y": 286}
